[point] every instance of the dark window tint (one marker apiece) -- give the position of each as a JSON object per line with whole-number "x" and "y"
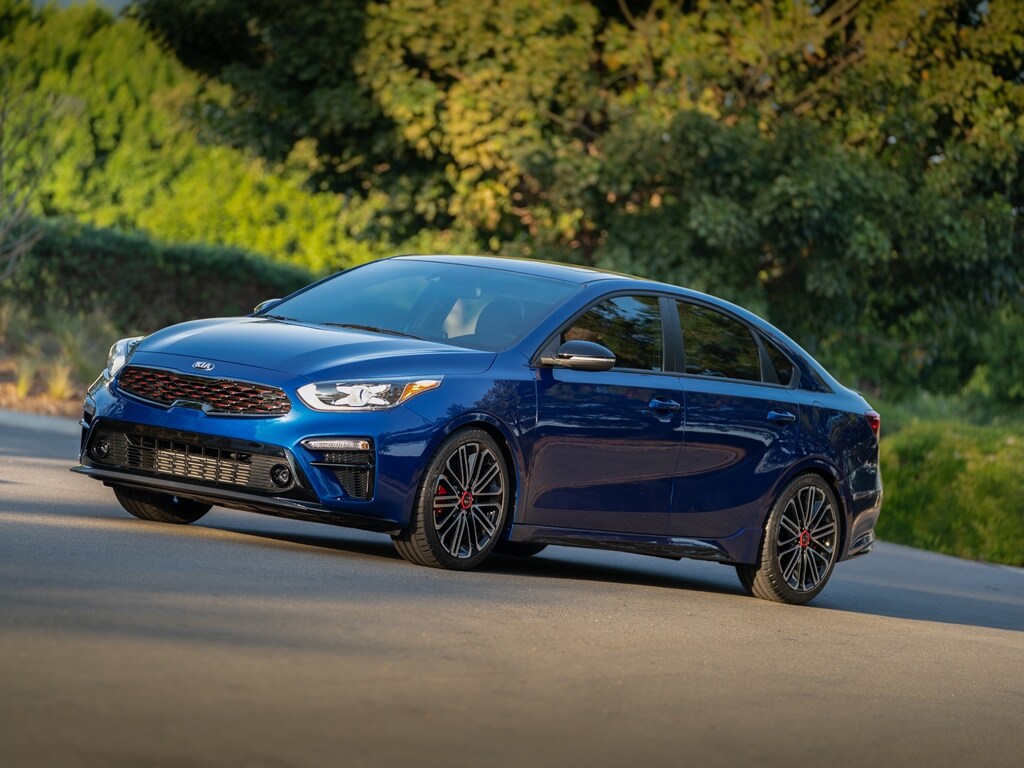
{"x": 783, "y": 365}
{"x": 630, "y": 326}
{"x": 716, "y": 345}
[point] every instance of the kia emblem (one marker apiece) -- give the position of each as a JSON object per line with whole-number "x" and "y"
{"x": 202, "y": 365}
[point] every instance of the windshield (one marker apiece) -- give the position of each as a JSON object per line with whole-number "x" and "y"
{"x": 469, "y": 306}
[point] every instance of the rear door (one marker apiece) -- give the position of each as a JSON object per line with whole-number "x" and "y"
{"x": 741, "y": 425}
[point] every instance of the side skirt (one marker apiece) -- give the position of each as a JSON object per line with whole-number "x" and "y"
{"x": 671, "y": 547}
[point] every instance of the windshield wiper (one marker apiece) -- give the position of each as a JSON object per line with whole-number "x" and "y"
{"x": 277, "y": 317}
{"x": 372, "y": 329}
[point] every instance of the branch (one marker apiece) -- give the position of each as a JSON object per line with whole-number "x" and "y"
{"x": 801, "y": 102}
{"x": 17, "y": 249}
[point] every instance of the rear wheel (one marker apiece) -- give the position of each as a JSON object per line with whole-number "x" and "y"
{"x": 461, "y": 506}
{"x": 160, "y": 507}
{"x": 800, "y": 546}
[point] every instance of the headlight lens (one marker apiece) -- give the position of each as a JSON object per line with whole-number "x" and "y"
{"x": 120, "y": 353}
{"x": 364, "y": 396}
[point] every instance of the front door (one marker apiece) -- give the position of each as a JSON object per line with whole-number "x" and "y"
{"x": 607, "y": 442}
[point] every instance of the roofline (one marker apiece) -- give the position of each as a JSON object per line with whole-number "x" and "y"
{"x": 574, "y": 273}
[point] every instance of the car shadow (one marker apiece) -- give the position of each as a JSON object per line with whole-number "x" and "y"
{"x": 990, "y": 596}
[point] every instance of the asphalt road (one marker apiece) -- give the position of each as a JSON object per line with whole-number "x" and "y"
{"x": 245, "y": 640}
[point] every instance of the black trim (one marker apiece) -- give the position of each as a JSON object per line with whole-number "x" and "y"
{"x": 277, "y": 505}
{"x": 672, "y": 335}
{"x": 300, "y": 490}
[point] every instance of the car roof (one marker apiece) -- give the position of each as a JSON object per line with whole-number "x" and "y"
{"x": 549, "y": 269}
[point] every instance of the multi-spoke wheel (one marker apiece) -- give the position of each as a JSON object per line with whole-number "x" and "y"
{"x": 801, "y": 544}
{"x": 461, "y": 506}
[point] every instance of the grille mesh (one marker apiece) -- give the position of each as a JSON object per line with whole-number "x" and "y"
{"x": 186, "y": 460}
{"x": 352, "y": 469}
{"x": 224, "y": 396}
{"x": 358, "y": 483}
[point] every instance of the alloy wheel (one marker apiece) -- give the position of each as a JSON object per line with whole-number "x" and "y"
{"x": 806, "y": 539}
{"x": 468, "y": 500}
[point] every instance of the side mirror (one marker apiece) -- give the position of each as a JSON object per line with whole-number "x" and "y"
{"x": 581, "y": 356}
{"x": 263, "y": 306}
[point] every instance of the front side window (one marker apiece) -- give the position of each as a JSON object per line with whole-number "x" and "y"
{"x": 630, "y": 326}
{"x": 718, "y": 346}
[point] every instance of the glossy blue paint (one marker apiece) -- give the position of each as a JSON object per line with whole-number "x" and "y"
{"x": 662, "y": 461}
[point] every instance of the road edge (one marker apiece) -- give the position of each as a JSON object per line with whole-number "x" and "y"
{"x": 37, "y": 422}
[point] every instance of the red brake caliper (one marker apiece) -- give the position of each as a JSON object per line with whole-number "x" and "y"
{"x": 440, "y": 492}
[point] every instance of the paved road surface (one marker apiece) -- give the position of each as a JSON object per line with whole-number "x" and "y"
{"x": 250, "y": 641}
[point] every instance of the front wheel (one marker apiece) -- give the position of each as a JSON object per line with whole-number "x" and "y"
{"x": 800, "y": 547}
{"x": 160, "y": 507}
{"x": 461, "y": 506}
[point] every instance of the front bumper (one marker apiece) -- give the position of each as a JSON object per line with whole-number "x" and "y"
{"x": 227, "y": 460}
{"x": 270, "y": 505}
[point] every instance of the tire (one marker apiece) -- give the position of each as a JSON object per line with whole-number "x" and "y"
{"x": 519, "y": 548}
{"x": 461, "y": 506}
{"x": 800, "y": 544}
{"x": 160, "y": 507}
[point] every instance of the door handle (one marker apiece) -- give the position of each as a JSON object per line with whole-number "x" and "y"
{"x": 781, "y": 417}
{"x": 658, "y": 404}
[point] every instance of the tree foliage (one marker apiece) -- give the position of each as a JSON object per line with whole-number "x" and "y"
{"x": 23, "y": 159}
{"x": 130, "y": 150}
{"x": 851, "y": 168}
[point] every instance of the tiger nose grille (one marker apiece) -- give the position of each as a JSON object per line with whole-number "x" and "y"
{"x": 223, "y": 396}
{"x": 184, "y": 459}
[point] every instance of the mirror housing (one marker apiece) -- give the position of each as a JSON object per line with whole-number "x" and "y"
{"x": 581, "y": 355}
{"x": 263, "y": 306}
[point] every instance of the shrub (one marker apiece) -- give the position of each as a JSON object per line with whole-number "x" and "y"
{"x": 139, "y": 284}
{"x": 955, "y": 488}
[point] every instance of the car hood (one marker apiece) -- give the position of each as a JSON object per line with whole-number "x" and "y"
{"x": 311, "y": 351}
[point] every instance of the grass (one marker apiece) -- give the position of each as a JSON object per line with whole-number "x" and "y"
{"x": 46, "y": 362}
{"x": 955, "y": 487}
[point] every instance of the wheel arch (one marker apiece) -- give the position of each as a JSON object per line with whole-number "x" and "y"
{"x": 505, "y": 437}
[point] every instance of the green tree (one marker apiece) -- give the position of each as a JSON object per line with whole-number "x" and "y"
{"x": 134, "y": 153}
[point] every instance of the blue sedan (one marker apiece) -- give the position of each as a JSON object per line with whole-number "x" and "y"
{"x": 470, "y": 405}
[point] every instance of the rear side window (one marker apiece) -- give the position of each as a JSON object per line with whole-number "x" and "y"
{"x": 718, "y": 346}
{"x": 630, "y": 326}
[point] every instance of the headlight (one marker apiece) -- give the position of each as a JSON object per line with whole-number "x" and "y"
{"x": 120, "y": 353}
{"x": 364, "y": 396}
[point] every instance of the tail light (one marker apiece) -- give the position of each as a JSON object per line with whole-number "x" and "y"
{"x": 874, "y": 421}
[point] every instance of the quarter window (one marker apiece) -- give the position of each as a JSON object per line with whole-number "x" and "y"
{"x": 783, "y": 365}
{"x": 630, "y": 326}
{"x": 716, "y": 345}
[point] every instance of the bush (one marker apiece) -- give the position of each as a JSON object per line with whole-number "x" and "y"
{"x": 955, "y": 488}
{"x": 139, "y": 284}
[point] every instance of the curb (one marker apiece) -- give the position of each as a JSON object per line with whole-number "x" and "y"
{"x": 36, "y": 422}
